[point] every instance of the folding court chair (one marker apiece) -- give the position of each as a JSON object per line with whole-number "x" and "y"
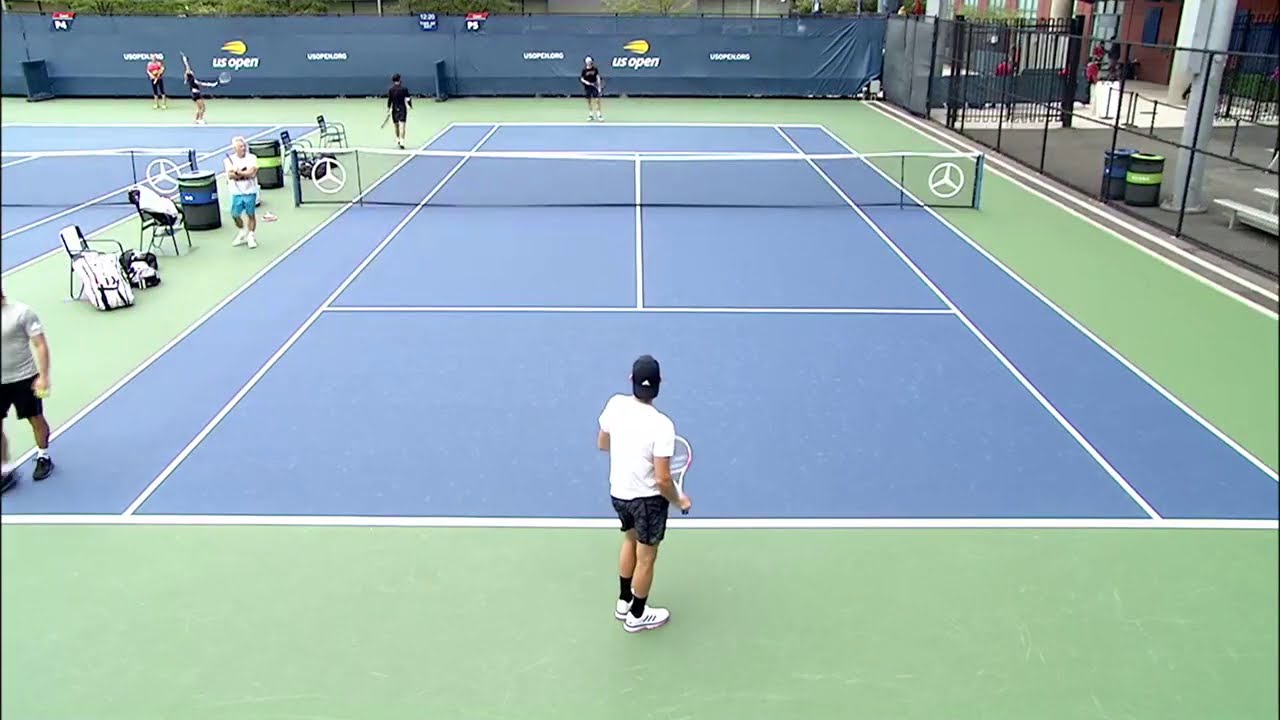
{"x": 162, "y": 222}
{"x": 331, "y": 134}
{"x": 76, "y": 244}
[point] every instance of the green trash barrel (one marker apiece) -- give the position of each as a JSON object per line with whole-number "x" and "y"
{"x": 198, "y": 192}
{"x": 270, "y": 163}
{"x": 1143, "y": 179}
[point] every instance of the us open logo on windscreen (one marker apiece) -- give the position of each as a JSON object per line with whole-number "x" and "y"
{"x": 236, "y": 49}
{"x": 639, "y": 59}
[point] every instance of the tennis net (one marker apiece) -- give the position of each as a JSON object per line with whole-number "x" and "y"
{"x": 555, "y": 179}
{"x": 64, "y": 178}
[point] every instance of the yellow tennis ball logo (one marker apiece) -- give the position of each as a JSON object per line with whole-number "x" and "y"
{"x": 235, "y": 47}
{"x": 638, "y": 47}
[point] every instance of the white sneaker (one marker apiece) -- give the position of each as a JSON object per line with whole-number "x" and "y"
{"x": 253, "y": 241}
{"x": 590, "y": 117}
{"x": 600, "y": 117}
{"x": 652, "y": 619}
{"x": 621, "y": 609}
{"x": 241, "y": 238}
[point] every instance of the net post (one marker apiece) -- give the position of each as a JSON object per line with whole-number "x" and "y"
{"x": 297, "y": 178}
{"x": 902, "y": 181}
{"x": 978, "y": 172}
{"x": 191, "y": 159}
{"x": 133, "y": 165}
{"x": 355, "y": 154}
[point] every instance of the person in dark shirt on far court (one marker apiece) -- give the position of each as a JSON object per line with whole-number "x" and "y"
{"x": 592, "y": 85}
{"x": 398, "y": 104}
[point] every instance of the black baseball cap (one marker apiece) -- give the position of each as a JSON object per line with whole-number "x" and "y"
{"x": 646, "y": 376}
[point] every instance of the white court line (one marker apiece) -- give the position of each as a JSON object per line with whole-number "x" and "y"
{"x": 300, "y": 123}
{"x": 1000, "y": 356}
{"x": 117, "y": 191}
{"x": 297, "y": 334}
{"x": 127, "y": 218}
{"x": 639, "y": 240}
{"x": 27, "y": 159}
{"x": 625, "y": 310}
{"x": 767, "y": 126}
{"x": 681, "y": 523}
{"x": 1079, "y": 326}
{"x": 1042, "y": 188}
{"x": 58, "y": 431}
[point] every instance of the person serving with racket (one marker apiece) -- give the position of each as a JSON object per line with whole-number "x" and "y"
{"x": 641, "y": 442}
{"x": 194, "y": 84}
{"x": 592, "y": 86}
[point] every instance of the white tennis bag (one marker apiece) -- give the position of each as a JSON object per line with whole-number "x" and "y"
{"x": 101, "y": 281}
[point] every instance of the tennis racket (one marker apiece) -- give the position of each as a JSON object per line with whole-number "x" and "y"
{"x": 681, "y": 459}
{"x": 224, "y": 78}
{"x": 386, "y": 119}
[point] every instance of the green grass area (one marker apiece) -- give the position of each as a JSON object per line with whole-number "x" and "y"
{"x": 256, "y": 623}
{"x": 291, "y": 622}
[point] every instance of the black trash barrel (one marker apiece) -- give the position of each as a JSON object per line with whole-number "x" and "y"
{"x": 1142, "y": 181}
{"x": 198, "y": 192}
{"x": 270, "y": 163}
{"x": 1114, "y": 171}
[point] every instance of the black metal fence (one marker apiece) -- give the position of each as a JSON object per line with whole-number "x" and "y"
{"x": 1071, "y": 107}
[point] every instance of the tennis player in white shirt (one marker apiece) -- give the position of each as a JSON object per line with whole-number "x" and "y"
{"x": 640, "y": 441}
{"x": 242, "y": 172}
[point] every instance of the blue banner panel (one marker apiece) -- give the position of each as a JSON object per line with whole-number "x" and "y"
{"x": 518, "y": 56}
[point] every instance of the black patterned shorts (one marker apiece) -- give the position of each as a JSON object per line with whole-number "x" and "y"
{"x": 646, "y": 515}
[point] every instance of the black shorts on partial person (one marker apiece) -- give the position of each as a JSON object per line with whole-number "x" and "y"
{"x": 22, "y": 398}
{"x": 196, "y": 96}
{"x": 646, "y": 515}
{"x": 399, "y": 114}
{"x": 591, "y": 91}
{"x": 157, "y": 87}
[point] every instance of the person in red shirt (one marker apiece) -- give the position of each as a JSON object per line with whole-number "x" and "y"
{"x": 155, "y": 71}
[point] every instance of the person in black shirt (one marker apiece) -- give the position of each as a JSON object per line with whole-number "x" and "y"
{"x": 592, "y": 84}
{"x": 398, "y": 104}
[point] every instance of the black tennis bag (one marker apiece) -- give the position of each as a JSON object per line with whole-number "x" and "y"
{"x": 309, "y": 165}
{"x": 142, "y": 269}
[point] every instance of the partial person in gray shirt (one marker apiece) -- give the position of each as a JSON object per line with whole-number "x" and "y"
{"x": 24, "y": 383}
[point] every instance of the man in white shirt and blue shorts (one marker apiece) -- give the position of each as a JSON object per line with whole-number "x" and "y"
{"x": 242, "y": 174}
{"x": 640, "y": 441}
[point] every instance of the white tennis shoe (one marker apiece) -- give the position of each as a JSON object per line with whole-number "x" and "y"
{"x": 621, "y": 609}
{"x": 242, "y": 237}
{"x": 652, "y": 619}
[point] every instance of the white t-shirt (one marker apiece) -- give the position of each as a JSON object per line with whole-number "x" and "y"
{"x": 638, "y": 432}
{"x": 234, "y": 162}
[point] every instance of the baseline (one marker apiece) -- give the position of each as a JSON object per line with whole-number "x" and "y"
{"x": 675, "y": 310}
{"x": 681, "y": 523}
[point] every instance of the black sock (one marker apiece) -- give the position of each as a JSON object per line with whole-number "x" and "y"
{"x": 624, "y": 588}
{"x": 637, "y": 606}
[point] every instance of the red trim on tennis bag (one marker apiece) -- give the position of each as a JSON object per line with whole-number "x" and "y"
{"x": 142, "y": 269}
{"x": 102, "y": 283}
